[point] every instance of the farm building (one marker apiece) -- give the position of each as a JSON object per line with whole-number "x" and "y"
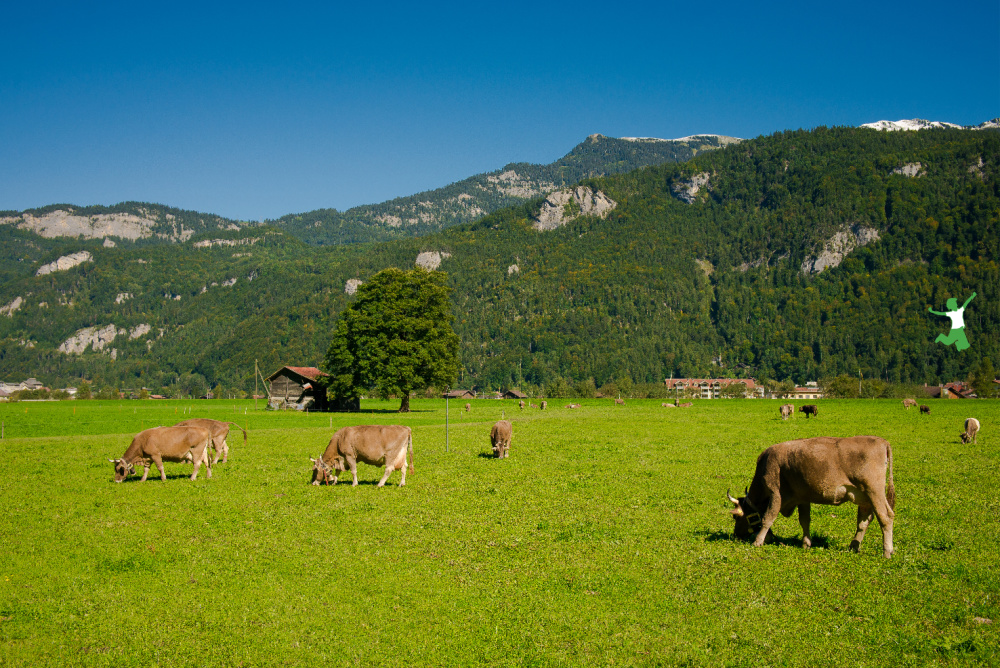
{"x": 459, "y": 394}
{"x": 712, "y": 388}
{"x": 514, "y": 394}
{"x": 297, "y": 387}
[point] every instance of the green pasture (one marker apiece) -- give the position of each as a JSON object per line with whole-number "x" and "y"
{"x": 604, "y": 539}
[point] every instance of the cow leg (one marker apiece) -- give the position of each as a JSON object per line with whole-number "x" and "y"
{"x": 767, "y": 520}
{"x": 864, "y": 517}
{"x": 197, "y": 464}
{"x": 159, "y": 465}
{"x": 804, "y": 523}
{"x": 145, "y": 471}
{"x": 353, "y": 463}
{"x": 225, "y": 452}
{"x": 885, "y": 515}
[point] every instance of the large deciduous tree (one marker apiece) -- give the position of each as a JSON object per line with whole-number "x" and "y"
{"x": 395, "y": 337}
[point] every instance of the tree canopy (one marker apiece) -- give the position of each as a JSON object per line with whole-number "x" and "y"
{"x": 396, "y": 337}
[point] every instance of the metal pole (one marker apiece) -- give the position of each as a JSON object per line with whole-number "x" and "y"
{"x": 446, "y": 435}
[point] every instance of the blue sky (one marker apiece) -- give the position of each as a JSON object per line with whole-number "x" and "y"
{"x": 253, "y": 111}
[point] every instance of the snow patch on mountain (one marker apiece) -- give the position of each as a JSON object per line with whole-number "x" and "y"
{"x": 909, "y": 124}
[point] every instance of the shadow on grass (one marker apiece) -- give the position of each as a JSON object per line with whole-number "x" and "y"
{"x": 486, "y": 455}
{"x": 820, "y": 542}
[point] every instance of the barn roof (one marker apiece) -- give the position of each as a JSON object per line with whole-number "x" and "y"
{"x": 310, "y": 372}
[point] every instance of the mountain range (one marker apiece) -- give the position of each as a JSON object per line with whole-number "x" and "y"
{"x": 797, "y": 255}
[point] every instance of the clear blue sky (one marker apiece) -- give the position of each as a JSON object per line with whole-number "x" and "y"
{"x": 253, "y": 111}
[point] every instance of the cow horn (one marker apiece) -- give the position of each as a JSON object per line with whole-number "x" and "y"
{"x": 113, "y": 461}
{"x": 730, "y": 497}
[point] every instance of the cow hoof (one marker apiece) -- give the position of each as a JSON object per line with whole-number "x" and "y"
{"x": 316, "y": 483}
{"x": 855, "y": 546}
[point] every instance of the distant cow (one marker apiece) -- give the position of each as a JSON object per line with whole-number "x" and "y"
{"x": 531, "y": 405}
{"x": 220, "y": 432}
{"x": 520, "y": 405}
{"x": 500, "y": 438}
{"x": 971, "y": 429}
{"x": 909, "y": 402}
{"x": 829, "y": 471}
{"x": 468, "y": 407}
{"x": 666, "y": 405}
{"x": 809, "y": 409}
{"x": 543, "y": 405}
{"x": 172, "y": 444}
{"x": 925, "y": 409}
{"x": 786, "y": 411}
{"x": 378, "y": 445}
{"x": 619, "y": 402}
{"x": 572, "y": 405}
{"x": 687, "y": 404}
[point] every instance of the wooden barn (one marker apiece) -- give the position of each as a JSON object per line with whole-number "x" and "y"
{"x": 459, "y": 394}
{"x": 514, "y": 394}
{"x": 297, "y": 387}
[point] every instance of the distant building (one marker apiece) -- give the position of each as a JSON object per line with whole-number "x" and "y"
{"x": 297, "y": 387}
{"x": 712, "y": 388}
{"x": 514, "y": 394}
{"x": 459, "y": 394}
{"x": 810, "y": 391}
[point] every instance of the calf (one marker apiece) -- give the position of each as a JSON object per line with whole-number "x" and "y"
{"x": 809, "y": 409}
{"x": 909, "y": 402}
{"x": 925, "y": 409}
{"x": 159, "y": 444}
{"x": 500, "y": 438}
{"x": 794, "y": 474}
{"x": 786, "y": 411}
{"x": 379, "y": 445}
{"x": 971, "y": 429}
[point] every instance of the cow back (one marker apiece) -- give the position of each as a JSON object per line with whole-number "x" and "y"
{"x": 172, "y": 444}
{"x": 370, "y": 444}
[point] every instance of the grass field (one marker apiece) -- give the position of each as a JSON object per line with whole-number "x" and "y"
{"x": 604, "y": 539}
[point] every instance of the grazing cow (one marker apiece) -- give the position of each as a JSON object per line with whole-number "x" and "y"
{"x": 572, "y": 405}
{"x": 686, "y": 404}
{"x": 378, "y": 445}
{"x": 544, "y": 404}
{"x": 809, "y": 409}
{"x": 500, "y": 438}
{"x": 173, "y": 444}
{"x": 925, "y": 409}
{"x": 468, "y": 407}
{"x": 619, "y": 402}
{"x": 971, "y": 429}
{"x": 520, "y": 405}
{"x": 909, "y": 402}
{"x": 220, "y": 432}
{"x": 786, "y": 411}
{"x": 531, "y": 405}
{"x": 821, "y": 470}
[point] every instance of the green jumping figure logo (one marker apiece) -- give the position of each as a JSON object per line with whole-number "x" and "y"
{"x": 957, "y": 333}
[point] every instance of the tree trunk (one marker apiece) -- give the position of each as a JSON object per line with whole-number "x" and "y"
{"x": 404, "y": 406}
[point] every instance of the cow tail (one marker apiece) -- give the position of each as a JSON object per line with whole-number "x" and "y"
{"x": 890, "y": 493}
{"x": 409, "y": 448}
{"x": 241, "y": 429}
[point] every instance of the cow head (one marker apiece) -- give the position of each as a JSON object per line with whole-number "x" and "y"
{"x": 965, "y": 437}
{"x": 123, "y": 469}
{"x": 323, "y": 472}
{"x": 746, "y": 516}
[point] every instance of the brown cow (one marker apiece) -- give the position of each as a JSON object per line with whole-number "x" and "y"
{"x": 520, "y": 404}
{"x": 468, "y": 407}
{"x": 173, "y": 444}
{"x": 543, "y": 405}
{"x": 220, "y": 432}
{"x": 821, "y": 470}
{"x": 619, "y": 402}
{"x": 687, "y": 404}
{"x": 809, "y": 409}
{"x": 971, "y": 429}
{"x": 378, "y": 445}
{"x": 925, "y": 409}
{"x": 500, "y": 438}
{"x": 666, "y": 405}
{"x": 909, "y": 402}
{"x": 786, "y": 411}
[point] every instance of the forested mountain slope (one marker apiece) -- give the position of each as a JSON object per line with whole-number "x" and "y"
{"x": 476, "y": 196}
{"x": 800, "y": 255}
